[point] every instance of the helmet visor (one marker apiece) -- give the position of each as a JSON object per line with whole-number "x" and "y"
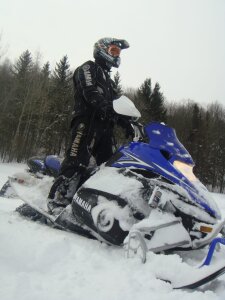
{"x": 114, "y": 50}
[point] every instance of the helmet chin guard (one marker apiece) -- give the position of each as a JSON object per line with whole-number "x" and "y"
{"x": 102, "y": 53}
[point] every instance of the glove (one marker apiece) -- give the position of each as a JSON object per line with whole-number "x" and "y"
{"x": 125, "y": 124}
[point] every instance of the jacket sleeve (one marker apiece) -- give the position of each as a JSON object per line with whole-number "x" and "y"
{"x": 85, "y": 79}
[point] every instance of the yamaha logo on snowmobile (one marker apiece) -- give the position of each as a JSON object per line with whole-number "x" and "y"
{"x": 82, "y": 203}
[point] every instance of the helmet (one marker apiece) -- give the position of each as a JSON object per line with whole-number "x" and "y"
{"x": 108, "y": 51}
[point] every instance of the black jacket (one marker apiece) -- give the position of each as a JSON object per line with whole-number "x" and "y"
{"x": 94, "y": 89}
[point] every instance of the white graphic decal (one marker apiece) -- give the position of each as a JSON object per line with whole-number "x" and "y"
{"x": 83, "y": 204}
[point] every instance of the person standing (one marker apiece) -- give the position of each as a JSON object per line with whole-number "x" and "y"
{"x": 92, "y": 125}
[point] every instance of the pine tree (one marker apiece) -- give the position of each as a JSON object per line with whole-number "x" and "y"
{"x": 143, "y": 100}
{"x": 46, "y": 71}
{"x": 43, "y": 104}
{"x": 145, "y": 90}
{"x": 195, "y": 140}
{"x": 60, "y": 109}
{"x": 151, "y": 102}
{"x": 6, "y": 96}
{"x": 157, "y": 106}
{"x": 23, "y": 66}
{"x": 23, "y": 90}
{"x": 118, "y": 86}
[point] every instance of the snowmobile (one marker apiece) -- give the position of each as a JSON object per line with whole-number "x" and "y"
{"x": 38, "y": 166}
{"x": 145, "y": 198}
{"x": 47, "y": 165}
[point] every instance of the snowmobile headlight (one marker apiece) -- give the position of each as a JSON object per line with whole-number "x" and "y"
{"x": 185, "y": 169}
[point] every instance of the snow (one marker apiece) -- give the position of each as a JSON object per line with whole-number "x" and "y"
{"x": 156, "y": 131}
{"x": 41, "y": 263}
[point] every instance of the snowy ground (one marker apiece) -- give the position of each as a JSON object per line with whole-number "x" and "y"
{"x": 41, "y": 263}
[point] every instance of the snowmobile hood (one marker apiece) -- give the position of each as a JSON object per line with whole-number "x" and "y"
{"x": 159, "y": 156}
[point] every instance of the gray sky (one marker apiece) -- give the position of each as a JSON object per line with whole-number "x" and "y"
{"x": 179, "y": 43}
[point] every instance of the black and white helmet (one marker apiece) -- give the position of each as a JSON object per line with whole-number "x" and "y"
{"x": 108, "y": 50}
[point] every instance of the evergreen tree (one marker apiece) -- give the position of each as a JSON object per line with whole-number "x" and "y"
{"x": 117, "y": 81}
{"x": 6, "y": 96}
{"x": 46, "y": 71}
{"x": 19, "y": 104}
{"x": 196, "y": 137}
{"x": 43, "y": 104}
{"x": 23, "y": 65}
{"x": 157, "y": 106}
{"x": 143, "y": 100}
{"x": 60, "y": 109}
{"x": 151, "y": 102}
{"x": 145, "y": 90}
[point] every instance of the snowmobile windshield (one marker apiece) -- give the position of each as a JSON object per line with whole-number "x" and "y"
{"x": 124, "y": 106}
{"x": 164, "y": 138}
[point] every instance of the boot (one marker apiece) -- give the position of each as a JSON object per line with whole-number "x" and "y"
{"x": 62, "y": 192}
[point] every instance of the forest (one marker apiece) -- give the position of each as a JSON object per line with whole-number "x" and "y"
{"x": 37, "y": 103}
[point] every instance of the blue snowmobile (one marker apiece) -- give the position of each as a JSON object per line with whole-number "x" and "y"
{"x": 38, "y": 166}
{"x": 145, "y": 197}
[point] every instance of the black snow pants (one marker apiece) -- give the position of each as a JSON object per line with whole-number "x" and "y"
{"x": 89, "y": 137}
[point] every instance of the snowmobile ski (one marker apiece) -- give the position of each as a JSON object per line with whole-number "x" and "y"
{"x": 7, "y": 191}
{"x": 210, "y": 272}
{"x": 193, "y": 284}
{"x": 14, "y": 183}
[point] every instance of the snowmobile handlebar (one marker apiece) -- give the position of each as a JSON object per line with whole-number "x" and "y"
{"x": 139, "y": 134}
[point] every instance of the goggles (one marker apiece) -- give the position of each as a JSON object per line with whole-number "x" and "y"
{"x": 114, "y": 50}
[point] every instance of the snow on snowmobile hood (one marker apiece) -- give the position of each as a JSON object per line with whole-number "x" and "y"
{"x": 124, "y": 106}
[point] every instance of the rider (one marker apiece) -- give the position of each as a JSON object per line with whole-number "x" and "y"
{"x": 92, "y": 126}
